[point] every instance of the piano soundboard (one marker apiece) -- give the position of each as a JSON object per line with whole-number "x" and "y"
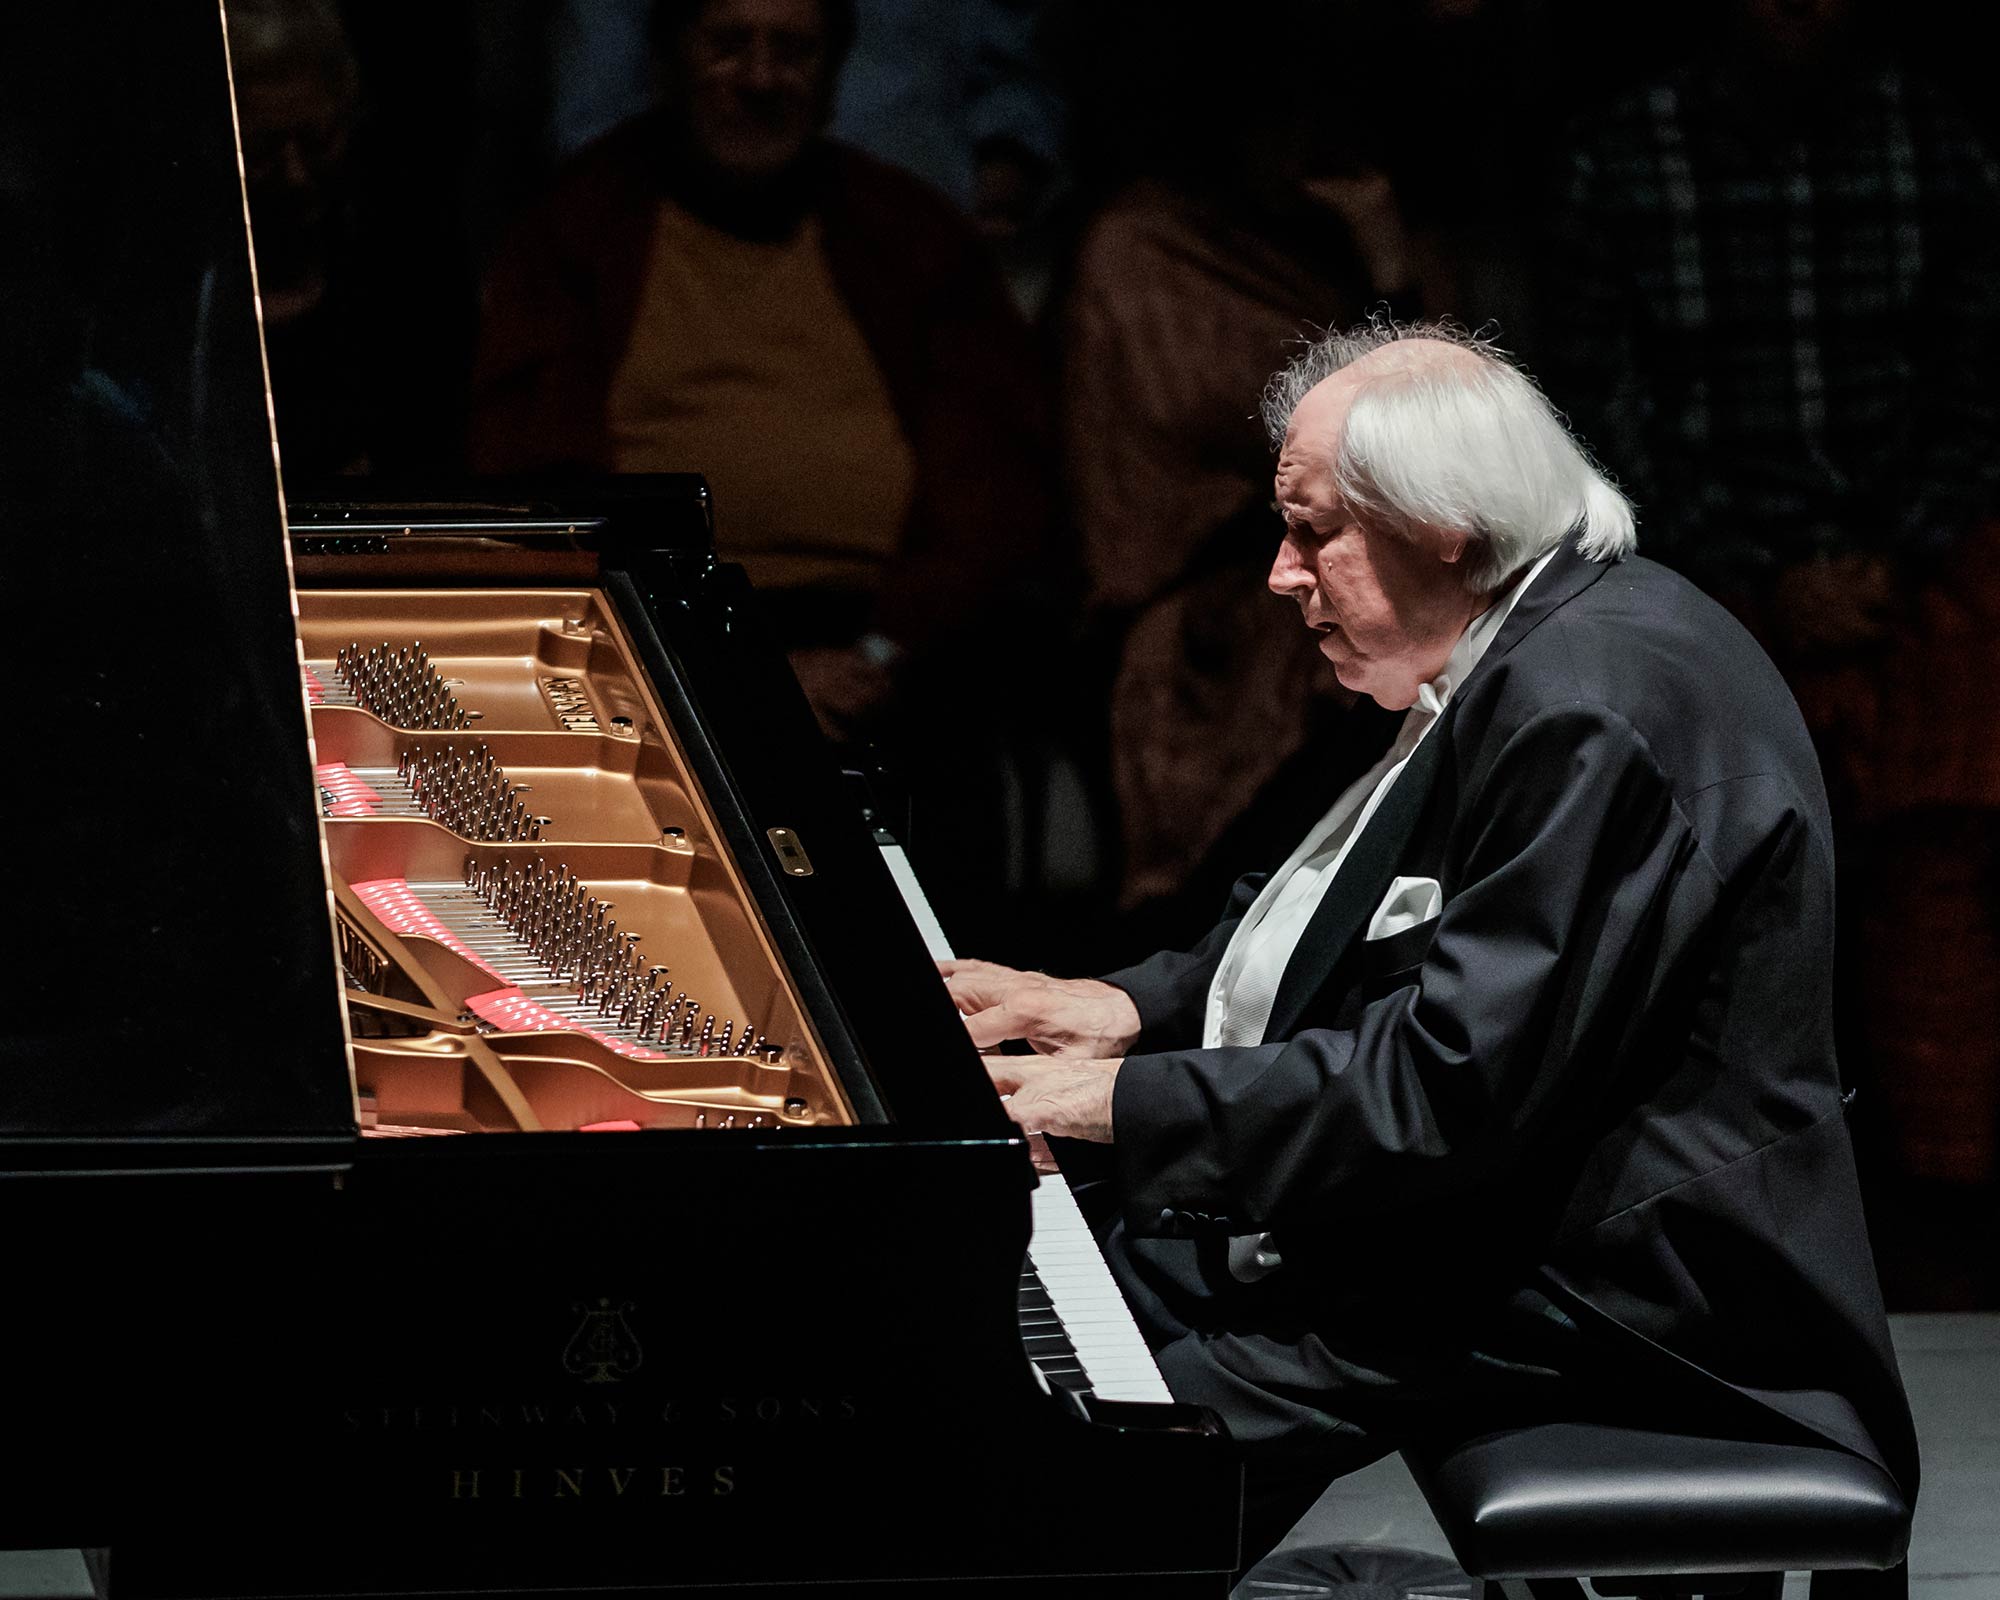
{"x": 538, "y": 926}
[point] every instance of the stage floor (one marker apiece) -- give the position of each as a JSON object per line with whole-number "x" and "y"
{"x": 1951, "y": 1362}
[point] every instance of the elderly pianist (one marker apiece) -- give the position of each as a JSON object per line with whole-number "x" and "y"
{"x": 1511, "y": 1090}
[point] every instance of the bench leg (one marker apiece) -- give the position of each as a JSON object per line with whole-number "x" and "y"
{"x": 1531, "y": 1589}
{"x": 1893, "y": 1584}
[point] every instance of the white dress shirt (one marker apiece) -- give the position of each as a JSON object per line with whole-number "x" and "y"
{"x": 1246, "y": 983}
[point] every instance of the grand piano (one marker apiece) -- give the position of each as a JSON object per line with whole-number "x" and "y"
{"x": 477, "y": 1111}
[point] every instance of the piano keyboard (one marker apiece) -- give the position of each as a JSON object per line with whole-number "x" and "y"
{"x": 1074, "y": 1323}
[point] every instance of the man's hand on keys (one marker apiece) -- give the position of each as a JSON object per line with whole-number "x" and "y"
{"x": 1057, "y": 1016}
{"x": 1069, "y": 1097}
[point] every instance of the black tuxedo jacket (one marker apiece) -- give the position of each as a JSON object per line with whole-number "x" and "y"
{"x": 1603, "y": 1079}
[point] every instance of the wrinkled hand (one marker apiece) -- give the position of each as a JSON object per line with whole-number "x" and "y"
{"x": 1067, "y": 1097}
{"x": 1835, "y": 602}
{"x": 1057, "y": 1016}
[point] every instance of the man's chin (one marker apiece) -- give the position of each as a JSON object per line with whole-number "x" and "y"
{"x": 1354, "y": 675}
{"x": 751, "y": 160}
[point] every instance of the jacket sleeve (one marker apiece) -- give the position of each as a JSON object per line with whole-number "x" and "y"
{"x": 1171, "y": 988}
{"x": 1541, "y": 957}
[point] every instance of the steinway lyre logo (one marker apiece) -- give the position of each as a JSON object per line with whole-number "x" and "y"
{"x": 603, "y": 1349}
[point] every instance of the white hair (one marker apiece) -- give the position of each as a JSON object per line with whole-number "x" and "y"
{"x": 1463, "y": 444}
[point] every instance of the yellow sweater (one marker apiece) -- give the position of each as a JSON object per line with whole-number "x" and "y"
{"x": 739, "y": 344}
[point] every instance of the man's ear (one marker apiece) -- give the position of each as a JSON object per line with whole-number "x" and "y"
{"x": 1451, "y": 547}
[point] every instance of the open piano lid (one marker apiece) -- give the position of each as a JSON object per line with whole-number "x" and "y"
{"x": 172, "y": 1000}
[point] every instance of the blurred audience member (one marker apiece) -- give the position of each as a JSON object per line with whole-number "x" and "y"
{"x": 716, "y": 287}
{"x": 1269, "y": 219}
{"x": 951, "y": 93}
{"x": 298, "y": 98}
{"x": 1779, "y": 280}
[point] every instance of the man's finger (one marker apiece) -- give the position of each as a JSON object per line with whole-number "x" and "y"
{"x": 970, "y": 998}
{"x": 975, "y": 985}
{"x": 1017, "y": 1096}
{"x": 966, "y": 966}
{"x": 992, "y": 975}
{"x": 997, "y": 1024}
{"x": 1007, "y": 1078}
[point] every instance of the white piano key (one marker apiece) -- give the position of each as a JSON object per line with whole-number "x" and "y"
{"x": 898, "y": 862}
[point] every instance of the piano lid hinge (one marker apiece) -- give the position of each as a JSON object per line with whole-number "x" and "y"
{"x": 791, "y": 852}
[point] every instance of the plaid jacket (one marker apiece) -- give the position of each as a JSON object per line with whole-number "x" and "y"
{"x": 1782, "y": 340}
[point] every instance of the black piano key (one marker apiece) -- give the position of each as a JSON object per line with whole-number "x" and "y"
{"x": 1044, "y": 1338}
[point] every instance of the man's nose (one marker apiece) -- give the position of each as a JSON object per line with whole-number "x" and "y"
{"x": 760, "y": 66}
{"x": 1289, "y": 571}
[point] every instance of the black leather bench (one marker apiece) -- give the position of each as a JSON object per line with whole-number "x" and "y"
{"x": 1531, "y": 1511}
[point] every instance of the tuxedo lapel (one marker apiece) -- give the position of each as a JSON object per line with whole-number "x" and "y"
{"x": 1361, "y": 882}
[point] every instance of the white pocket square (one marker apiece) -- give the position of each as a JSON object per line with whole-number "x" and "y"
{"x": 1408, "y": 902}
